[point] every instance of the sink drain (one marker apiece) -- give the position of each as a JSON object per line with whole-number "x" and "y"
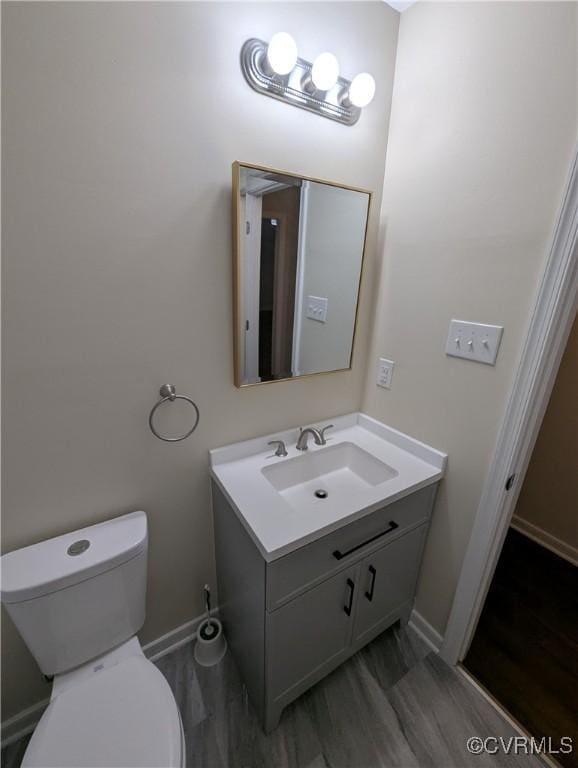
{"x": 321, "y": 493}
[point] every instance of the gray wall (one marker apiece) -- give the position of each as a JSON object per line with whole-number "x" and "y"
{"x": 121, "y": 121}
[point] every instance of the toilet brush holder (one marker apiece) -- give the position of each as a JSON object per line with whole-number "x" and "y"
{"x": 211, "y": 644}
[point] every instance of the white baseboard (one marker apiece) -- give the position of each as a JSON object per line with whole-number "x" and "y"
{"x": 540, "y": 536}
{"x": 25, "y": 722}
{"x": 175, "y": 638}
{"x": 502, "y": 711}
{"x": 425, "y": 630}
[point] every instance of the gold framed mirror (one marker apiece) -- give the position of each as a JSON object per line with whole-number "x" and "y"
{"x": 298, "y": 251}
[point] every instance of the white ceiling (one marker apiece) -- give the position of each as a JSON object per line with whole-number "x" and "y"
{"x": 400, "y": 5}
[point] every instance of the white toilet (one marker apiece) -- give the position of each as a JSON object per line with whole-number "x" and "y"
{"x": 78, "y": 601}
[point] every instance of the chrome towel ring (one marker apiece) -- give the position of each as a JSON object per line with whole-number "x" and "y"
{"x": 169, "y": 393}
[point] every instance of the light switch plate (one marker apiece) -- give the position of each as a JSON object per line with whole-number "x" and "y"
{"x": 474, "y": 341}
{"x": 384, "y": 372}
{"x": 317, "y": 308}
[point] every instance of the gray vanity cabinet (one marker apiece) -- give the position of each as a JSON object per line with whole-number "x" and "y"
{"x": 289, "y": 622}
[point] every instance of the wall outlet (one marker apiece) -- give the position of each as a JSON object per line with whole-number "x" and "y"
{"x": 384, "y": 372}
{"x": 474, "y": 341}
{"x": 317, "y": 308}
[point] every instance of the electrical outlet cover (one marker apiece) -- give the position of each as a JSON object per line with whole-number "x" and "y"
{"x": 384, "y": 372}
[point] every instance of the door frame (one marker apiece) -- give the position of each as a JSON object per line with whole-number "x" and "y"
{"x": 549, "y": 326}
{"x": 251, "y": 270}
{"x": 300, "y": 277}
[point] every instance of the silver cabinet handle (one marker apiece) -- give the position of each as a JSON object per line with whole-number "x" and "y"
{"x": 281, "y": 450}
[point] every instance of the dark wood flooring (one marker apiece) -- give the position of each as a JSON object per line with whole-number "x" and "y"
{"x": 525, "y": 650}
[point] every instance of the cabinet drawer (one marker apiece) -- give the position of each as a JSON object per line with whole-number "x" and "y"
{"x": 310, "y": 564}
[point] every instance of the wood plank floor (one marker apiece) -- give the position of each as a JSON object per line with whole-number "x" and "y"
{"x": 393, "y": 705}
{"x": 525, "y": 650}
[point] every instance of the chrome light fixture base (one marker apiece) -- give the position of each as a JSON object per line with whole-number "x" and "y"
{"x": 295, "y": 88}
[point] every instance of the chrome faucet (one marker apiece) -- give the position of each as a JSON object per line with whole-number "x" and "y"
{"x": 318, "y": 436}
{"x": 322, "y": 433}
{"x": 281, "y": 450}
{"x": 304, "y": 434}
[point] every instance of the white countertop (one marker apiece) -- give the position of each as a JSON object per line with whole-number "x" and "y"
{"x": 275, "y": 526}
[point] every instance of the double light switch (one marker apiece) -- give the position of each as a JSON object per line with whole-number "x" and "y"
{"x": 317, "y": 308}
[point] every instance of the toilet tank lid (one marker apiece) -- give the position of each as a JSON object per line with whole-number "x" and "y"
{"x": 65, "y": 560}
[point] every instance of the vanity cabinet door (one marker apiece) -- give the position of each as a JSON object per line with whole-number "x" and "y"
{"x": 387, "y": 581}
{"x": 310, "y": 635}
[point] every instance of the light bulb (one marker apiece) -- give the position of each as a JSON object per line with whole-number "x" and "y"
{"x": 361, "y": 90}
{"x": 325, "y": 71}
{"x": 282, "y": 53}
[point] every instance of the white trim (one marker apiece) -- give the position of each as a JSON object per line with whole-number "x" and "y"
{"x": 548, "y": 332}
{"x": 250, "y": 275}
{"x": 300, "y": 278}
{"x": 545, "y": 539}
{"x": 25, "y": 722}
{"x": 502, "y": 712}
{"x": 424, "y": 629}
{"x": 174, "y": 639}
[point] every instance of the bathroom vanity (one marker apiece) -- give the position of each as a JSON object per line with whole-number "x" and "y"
{"x": 318, "y": 551}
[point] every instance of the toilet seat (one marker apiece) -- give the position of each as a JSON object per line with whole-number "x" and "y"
{"x": 123, "y": 717}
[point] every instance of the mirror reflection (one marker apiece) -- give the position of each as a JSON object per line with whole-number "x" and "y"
{"x": 299, "y": 253}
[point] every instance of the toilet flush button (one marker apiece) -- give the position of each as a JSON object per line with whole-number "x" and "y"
{"x": 78, "y": 547}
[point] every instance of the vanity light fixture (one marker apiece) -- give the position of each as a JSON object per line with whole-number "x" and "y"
{"x": 276, "y": 70}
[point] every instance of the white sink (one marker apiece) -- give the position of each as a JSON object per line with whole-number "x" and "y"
{"x": 337, "y": 471}
{"x": 364, "y": 466}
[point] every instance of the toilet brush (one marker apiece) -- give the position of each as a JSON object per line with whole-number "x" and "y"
{"x": 209, "y": 627}
{"x": 211, "y": 645}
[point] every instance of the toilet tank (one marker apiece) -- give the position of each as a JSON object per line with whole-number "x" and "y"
{"x": 77, "y": 596}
